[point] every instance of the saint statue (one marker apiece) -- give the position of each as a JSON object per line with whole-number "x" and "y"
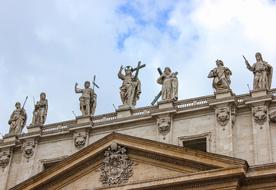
{"x": 88, "y": 99}
{"x": 17, "y": 120}
{"x": 169, "y": 83}
{"x": 221, "y": 77}
{"x": 131, "y": 87}
{"x": 40, "y": 111}
{"x": 262, "y": 73}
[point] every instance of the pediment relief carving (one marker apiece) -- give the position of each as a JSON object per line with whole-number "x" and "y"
{"x": 121, "y": 160}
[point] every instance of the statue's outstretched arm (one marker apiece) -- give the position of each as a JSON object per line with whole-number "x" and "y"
{"x": 211, "y": 74}
{"x": 77, "y": 90}
{"x": 120, "y": 75}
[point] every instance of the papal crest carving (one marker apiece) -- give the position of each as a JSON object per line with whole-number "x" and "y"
{"x": 4, "y": 159}
{"x": 28, "y": 148}
{"x": 260, "y": 114}
{"x": 164, "y": 125}
{"x": 223, "y": 116}
{"x": 80, "y": 139}
{"x": 116, "y": 167}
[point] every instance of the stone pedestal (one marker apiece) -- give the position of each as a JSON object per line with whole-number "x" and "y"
{"x": 9, "y": 138}
{"x": 34, "y": 129}
{"x": 124, "y": 111}
{"x": 258, "y": 93}
{"x": 5, "y": 161}
{"x": 223, "y": 94}
{"x": 164, "y": 104}
{"x": 84, "y": 119}
{"x": 224, "y": 106}
{"x": 260, "y": 126}
{"x": 225, "y": 117}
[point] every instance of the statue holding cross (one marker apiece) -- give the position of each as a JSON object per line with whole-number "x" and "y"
{"x": 169, "y": 83}
{"x": 88, "y": 99}
{"x": 131, "y": 87}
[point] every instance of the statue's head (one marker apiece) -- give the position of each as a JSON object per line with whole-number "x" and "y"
{"x": 42, "y": 95}
{"x": 128, "y": 70}
{"x": 258, "y": 56}
{"x": 86, "y": 84}
{"x": 219, "y": 62}
{"x": 167, "y": 70}
{"x": 17, "y": 105}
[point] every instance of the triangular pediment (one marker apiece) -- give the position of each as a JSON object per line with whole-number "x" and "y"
{"x": 135, "y": 161}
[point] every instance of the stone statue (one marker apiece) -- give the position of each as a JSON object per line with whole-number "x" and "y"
{"x": 17, "y": 120}
{"x": 40, "y": 111}
{"x": 88, "y": 99}
{"x": 221, "y": 77}
{"x": 169, "y": 83}
{"x": 262, "y": 73}
{"x": 131, "y": 87}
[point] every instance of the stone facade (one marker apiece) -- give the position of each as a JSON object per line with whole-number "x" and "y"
{"x": 240, "y": 126}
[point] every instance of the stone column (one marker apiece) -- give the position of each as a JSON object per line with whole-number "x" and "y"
{"x": 225, "y": 111}
{"x": 5, "y": 159}
{"x": 164, "y": 121}
{"x": 262, "y": 147}
{"x": 28, "y": 157}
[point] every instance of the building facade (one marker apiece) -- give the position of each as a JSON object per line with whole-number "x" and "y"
{"x": 221, "y": 141}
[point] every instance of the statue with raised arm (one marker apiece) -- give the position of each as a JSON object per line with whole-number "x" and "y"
{"x": 221, "y": 77}
{"x": 88, "y": 99}
{"x": 131, "y": 86}
{"x": 40, "y": 111}
{"x": 17, "y": 120}
{"x": 169, "y": 83}
{"x": 262, "y": 73}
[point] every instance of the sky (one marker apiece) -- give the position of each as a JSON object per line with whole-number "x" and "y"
{"x": 48, "y": 46}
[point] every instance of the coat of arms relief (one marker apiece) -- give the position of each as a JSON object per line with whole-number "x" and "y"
{"x": 116, "y": 167}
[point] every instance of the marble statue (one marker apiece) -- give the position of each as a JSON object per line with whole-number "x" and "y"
{"x": 17, "y": 120}
{"x": 131, "y": 86}
{"x": 88, "y": 99}
{"x": 169, "y": 83}
{"x": 221, "y": 77}
{"x": 40, "y": 111}
{"x": 262, "y": 73}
